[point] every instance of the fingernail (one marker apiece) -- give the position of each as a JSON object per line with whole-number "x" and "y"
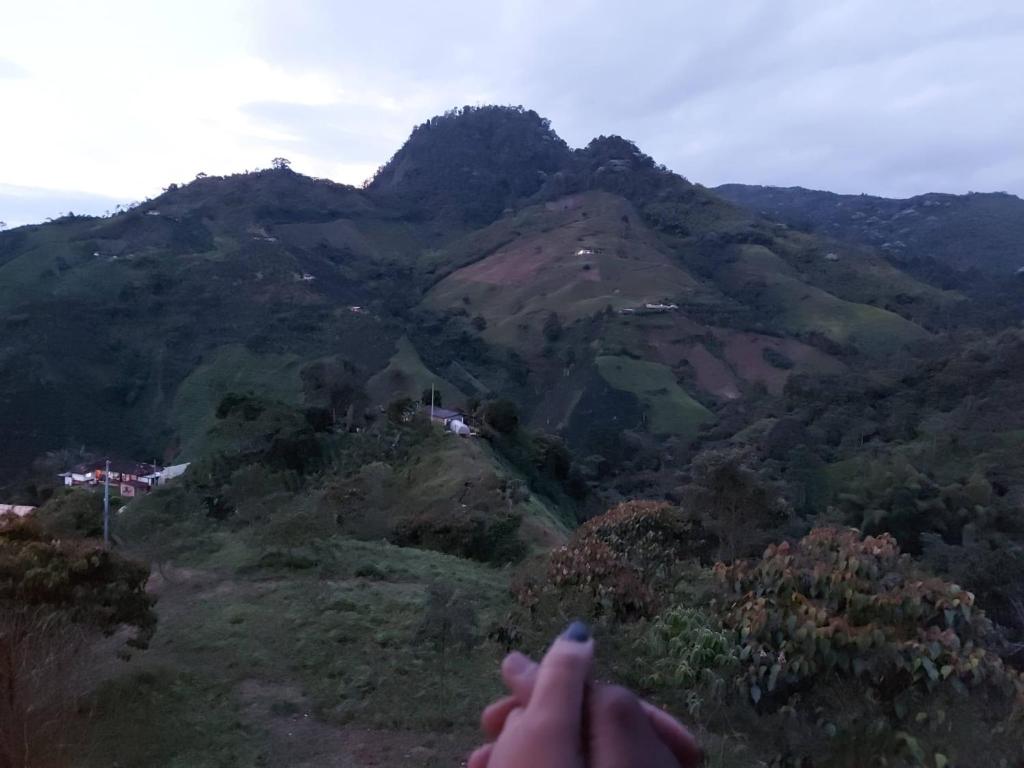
{"x": 515, "y": 664}
{"x": 577, "y": 632}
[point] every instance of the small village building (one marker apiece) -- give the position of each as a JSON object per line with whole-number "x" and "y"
{"x": 452, "y": 421}
{"x": 444, "y": 415}
{"x": 81, "y": 474}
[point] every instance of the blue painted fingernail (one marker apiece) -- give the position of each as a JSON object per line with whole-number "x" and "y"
{"x": 577, "y": 632}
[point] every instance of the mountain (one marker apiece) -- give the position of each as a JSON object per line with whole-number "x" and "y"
{"x": 982, "y": 231}
{"x": 603, "y": 293}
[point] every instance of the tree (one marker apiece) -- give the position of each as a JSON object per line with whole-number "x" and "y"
{"x": 401, "y": 410}
{"x": 428, "y": 393}
{"x": 733, "y": 503}
{"x": 552, "y": 327}
{"x": 72, "y": 512}
{"x": 281, "y": 163}
{"x": 502, "y": 415}
{"x": 55, "y": 595}
{"x": 333, "y": 384}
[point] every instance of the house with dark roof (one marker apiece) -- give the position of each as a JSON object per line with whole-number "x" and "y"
{"x": 444, "y": 415}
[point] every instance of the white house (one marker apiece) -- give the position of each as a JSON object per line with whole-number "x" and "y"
{"x": 162, "y": 476}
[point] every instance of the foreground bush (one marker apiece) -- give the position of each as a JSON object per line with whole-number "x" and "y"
{"x": 834, "y": 603}
{"x": 56, "y": 596}
{"x": 617, "y": 564}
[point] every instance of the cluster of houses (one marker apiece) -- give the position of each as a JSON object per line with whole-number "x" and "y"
{"x": 129, "y": 478}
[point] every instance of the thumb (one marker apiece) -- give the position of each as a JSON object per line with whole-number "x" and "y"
{"x": 562, "y": 679}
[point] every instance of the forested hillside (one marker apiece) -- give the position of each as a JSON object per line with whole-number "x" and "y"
{"x": 981, "y": 231}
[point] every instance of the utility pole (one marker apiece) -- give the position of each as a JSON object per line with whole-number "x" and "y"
{"x": 431, "y": 402}
{"x": 106, "y": 505}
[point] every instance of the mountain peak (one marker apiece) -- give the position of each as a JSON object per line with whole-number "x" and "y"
{"x": 471, "y": 163}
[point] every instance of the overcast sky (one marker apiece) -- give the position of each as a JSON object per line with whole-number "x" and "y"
{"x": 106, "y": 101}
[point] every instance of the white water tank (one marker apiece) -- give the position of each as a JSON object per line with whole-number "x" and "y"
{"x": 458, "y": 427}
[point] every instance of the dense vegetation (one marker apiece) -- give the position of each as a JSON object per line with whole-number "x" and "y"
{"x": 980, "y": 231}
{"x": 780, "y": 470}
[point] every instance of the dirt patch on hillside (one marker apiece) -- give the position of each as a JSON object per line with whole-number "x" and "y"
{"x": 746, "y": 353}
{"x": 713, "y": 375}
{"x": 517, "y": 264}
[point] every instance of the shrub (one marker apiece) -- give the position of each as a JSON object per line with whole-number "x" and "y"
{"x": 834, "y": 603}
{"x": 836, "y": 650}
{"x": 469, "y": 533}
{"x": 502, "y": 415}
{"x": 688, "y": 648}
{"x": 616, "y": 564}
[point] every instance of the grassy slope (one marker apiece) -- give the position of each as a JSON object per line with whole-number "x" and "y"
{"x": 406, "y": 375}
{"x": 806, "y": 308}
{"x": 231, "y": 368}
{"x": 256, "y": 666}
{"x": 671, "y": 410}
{"x": 441, "y": 476}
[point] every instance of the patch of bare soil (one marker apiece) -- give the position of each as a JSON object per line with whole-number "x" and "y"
{"x": 516, "y": 264}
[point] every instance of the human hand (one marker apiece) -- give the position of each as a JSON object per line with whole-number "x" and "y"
{"x": 556, "y": 717}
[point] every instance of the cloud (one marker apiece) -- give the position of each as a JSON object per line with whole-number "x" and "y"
{"x": 850, "y": 95}
{"x": 11, "y": 70}
{"x": 31, "y": 205}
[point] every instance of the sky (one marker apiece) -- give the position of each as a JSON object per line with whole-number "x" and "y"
{"x": 108, "y": 102}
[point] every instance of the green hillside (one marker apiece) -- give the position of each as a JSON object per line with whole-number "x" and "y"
{"x": 980, "y": 231}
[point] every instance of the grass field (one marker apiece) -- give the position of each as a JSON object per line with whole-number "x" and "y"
{"x": 256, "y": 665}
{"x": 230, "y": 369}
{"x": 406, "y": 375}
{"x": 801, "y": 307}
{"x": 671, "y": 411}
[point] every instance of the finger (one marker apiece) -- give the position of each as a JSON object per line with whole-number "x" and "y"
{"x": 621, "y": 733}
{"x": 480, "y": 757}
{"x": 494, "y": 716}
{"x": 675, "y": 735}
{"x": 561, "y": 680}
{"x": 519, "y": 673}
